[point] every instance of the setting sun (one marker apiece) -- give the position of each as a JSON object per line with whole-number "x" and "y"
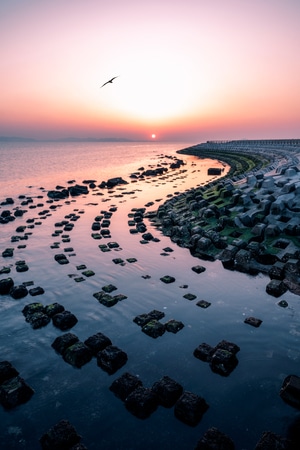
{"x": 153, "y": 136}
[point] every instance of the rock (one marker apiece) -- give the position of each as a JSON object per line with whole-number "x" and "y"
{"x": 18, "y": 292}
{"x": 276, "y": 288}
{"x": 61, "y": 343}
{"x": 38, "y": 320}
{"x": 53, "y": 308}
{"x": 14, "y": 391}
{"x": 112, "y": 182}
{"x": 8, "y": 252}
{"x": 142, "y": 402}
{"x": 7, "y": 371}
{"x": 36, "y": 291}
{"x": 203, "y": 304}
{"x": 61, "y": 436}
{"x": 6, "y": 284}
{"x": 143, "y": 319}
{"x": 64, "y": 320}
{"x": 154, "y": 328}
{"x": 77, "y": 190}
{"x": 272, "y": 441}
{"x": 204, "y": 352}
{"x": 111, "y": 359}
{"x": 167, "y": 279}
{"x": 290, "y": 390}
{"x": 190, "y": 408}
{"x": 222, "y": 358}
{"x": 97, "y": 342}
{"x": 125, "y": 385}
{"x": 253, "y": 321}
{"x": 198, "y": 269}
{"x": 32, "y": 308}
{"x": 277, "y": 271}
{"x": 77, "y": 354}
{"x": 61, "y": 259}
{"x": 213, "y": 439}
{"x": 173, "y": 326}
{"x": 167, "y": 391}
{"x": 105, "y": 299}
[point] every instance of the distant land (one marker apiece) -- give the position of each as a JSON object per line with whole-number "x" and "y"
{"x": 69, "y": 139}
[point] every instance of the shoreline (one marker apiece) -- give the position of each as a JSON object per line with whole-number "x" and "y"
{"x": 249, "y": 218}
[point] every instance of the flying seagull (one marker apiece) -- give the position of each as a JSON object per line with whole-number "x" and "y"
{"x": 109, "y": 81}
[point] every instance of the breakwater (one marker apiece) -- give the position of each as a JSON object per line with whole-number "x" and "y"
{"x": 250, "y": 218}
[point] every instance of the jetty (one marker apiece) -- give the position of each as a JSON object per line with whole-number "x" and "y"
{"x": 250, "y": 218}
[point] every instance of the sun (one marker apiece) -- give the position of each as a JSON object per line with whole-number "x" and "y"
{"x": 153, "y": 136}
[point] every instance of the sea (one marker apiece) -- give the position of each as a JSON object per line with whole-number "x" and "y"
{"x": 242, "y": 405}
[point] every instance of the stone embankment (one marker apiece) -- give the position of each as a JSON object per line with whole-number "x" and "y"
{"x": 248, "y": 219}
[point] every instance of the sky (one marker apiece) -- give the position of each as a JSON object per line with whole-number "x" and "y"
{"x": 190, "y": 70}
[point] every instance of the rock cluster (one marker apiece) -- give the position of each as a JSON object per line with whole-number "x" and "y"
{"x": 143, "y": 401}
{"x": 222, "y": 358}
{"x": 151, "y": 325}
{"x": 62, "y": 435}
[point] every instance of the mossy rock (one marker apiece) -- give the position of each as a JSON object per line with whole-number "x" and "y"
{"x": 78, "y": 354}
{"x": 173, "y": 326}
{"x": 154, "y": 328}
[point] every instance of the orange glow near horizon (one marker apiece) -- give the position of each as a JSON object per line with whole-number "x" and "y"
{"x": 201, "y": 71}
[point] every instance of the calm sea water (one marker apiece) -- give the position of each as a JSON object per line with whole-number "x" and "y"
{"x": 242, "y": 405}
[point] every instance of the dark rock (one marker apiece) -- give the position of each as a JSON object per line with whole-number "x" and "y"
{"x": 111, "y": 359}
{"x": 6, "y": 285}
{"x": 21, "y": 267}
{"x": 154, "y": 328}
{"x": 190, "y": 408}
{"x": 78, "y": 190}
{"x": 272, "y": 441}
{"x": 97, "y": 342}
{"x": 112, "y": 182}
{"x": 198, "y": 269}
{"x": 223, "y": 362}
{"x": 125, "y": 385}
{"x": 7, "y": 371}
{"x": 213, "y": 439}
{"x": 167, "y": 391}
{"x": 18, "y": 292}
{"x": 173, "y": 326}
{"x": 61, "y": 436}
{"x": 142, "y": 402}
{"x": 204, "y": 352}
{"x": 253, "y": 321}
{"x": 14, "y": 391}
{"x": 61, "y": 259}
{"x": 31, "y": 309}
{"x": 64, "y": 320}
{"x": 203, "y": 304}
{"x": 77, "y": 354}
{"x": 143, "y": 319}
{"x": 58, "y": 195}
{"x": 36, "y": 291}
{"x": 277, "y": 271}
{"x": 190, "y": 296}
{"x": 53, "y": 308}
{"x": 105, "y": 299}
{"x": 61, "y": 343}
{"x": 109, "y": 288}
{"x": 283, "y": 304}
{"x": 38, "y": 320}
{"x": 290, "y": 390}
{"x": 167, "y": 279}
{"x": 276, "y": 288}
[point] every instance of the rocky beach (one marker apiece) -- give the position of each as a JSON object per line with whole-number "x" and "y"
{"x": 128, "y": 303}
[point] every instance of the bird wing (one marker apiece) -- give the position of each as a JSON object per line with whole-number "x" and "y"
{"x": 109, "y": 81}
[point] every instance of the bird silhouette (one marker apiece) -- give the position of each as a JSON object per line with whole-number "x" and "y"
{"x": 109, "y": 81}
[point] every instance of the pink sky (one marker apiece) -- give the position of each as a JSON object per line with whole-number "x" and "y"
{"x": 187, "y": 70}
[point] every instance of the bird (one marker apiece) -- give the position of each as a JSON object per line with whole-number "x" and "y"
{"x": 109, "y": 81}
